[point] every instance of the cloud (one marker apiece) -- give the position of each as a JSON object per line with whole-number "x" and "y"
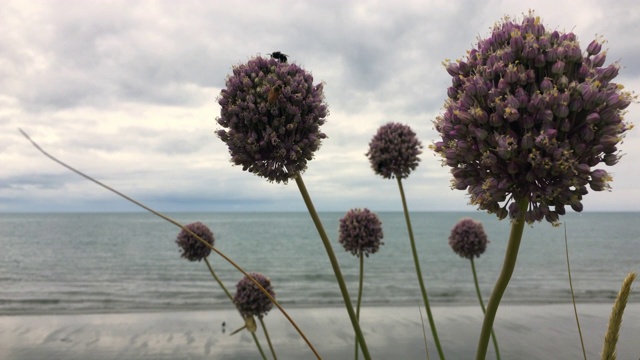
{"x": 126, "y": 91}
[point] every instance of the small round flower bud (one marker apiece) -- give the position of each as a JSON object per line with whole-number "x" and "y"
{"x": 468, "y": 238}
{"x": 361, "y": 232}
{"x": 394, "y": 149}
{"x": 249, "y": 300}
{"x": 192, "y": 248}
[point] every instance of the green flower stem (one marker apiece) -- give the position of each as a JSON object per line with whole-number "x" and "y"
{"x": 510, "y": 257}
{"x": 334, "y": 264}
{"x": 255, "y": 339}
{"x": 475, "y": 281}
{"x": 266, "y": 334}
{"x": 215, "y": 276}
{"x": 573, "y": 296}
{"x": 359, "y": 301}
{"x": 423, "y": 288}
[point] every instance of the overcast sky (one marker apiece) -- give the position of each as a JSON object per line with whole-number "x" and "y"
{"x": 126, "y": 91}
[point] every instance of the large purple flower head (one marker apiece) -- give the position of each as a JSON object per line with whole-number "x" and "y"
{"x": 360, "y": 232}
{"x": 271, "y": 113}
{"x": 529, "y": 116}
{"x": 393, "y": 151}
{"x": 249, "y": 300}
{"x": 192, "y": 248}
{"x": 468, "y": 238}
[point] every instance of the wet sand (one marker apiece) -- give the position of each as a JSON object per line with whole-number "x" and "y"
{"x": 523, "y": 332}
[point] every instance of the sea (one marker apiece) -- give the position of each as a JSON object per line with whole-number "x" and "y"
{"x": 82, "y": 263}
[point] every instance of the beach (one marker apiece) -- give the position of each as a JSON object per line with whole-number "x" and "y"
{"x": 523, "y": 332}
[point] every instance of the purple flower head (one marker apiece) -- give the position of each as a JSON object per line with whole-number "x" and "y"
{"x": 271, "y": 113}
{"x": 192, "y": 248}
{"x": 360, "y": 232}
{"x": 249, "y": 300}
{"x": 394, "y": 149}
{"x": 548, "y": 114}
{"x": 468, "y": 238}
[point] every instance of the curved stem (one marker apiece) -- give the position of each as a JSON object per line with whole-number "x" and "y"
{"x": 423, "y": 288}
{"x": 475, "y": 281}
{"x": 174, "y": 222}
{"x": 334, "y": 264}
{"x": 266, "y": 334}
{"x": 215, "y": 276}
{"x": 510, "y": 257}
{"x": 359, "y": 301}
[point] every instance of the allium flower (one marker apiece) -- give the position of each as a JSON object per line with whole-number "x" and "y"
{"x": 529, "y": 116}
{"x": 249, "y": 300}
{"x": 393, "y": 151}
{"x": 361, "y": 232}
{"x": 271, "y": 113}
{"x": 192, "y": 248}
{"x": 468, "y": 238}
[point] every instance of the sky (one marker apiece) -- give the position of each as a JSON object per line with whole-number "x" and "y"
{"x": 126, "y": 92}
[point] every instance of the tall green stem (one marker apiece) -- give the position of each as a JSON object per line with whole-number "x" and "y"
{"x": 359, "y": 301}
{"x": 423, "y": 288}
{"x": 510, "y": 257}
{"x": 475, "y": 281}
{"x": 266, "y": 334}
{"x": 573, "y": 295}
{"x": 215, "y": 276}
{"x": 334, "y": 264}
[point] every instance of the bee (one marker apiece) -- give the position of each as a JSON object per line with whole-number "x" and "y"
{"x": 274, "y": 93}
{"x": 279, "y": 56}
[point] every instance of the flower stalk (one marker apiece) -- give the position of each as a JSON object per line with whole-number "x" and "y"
{"x": 475, "y": 281}
{"x": 423, "y": 288}
{"x": 334, "y": 265}
{"x": 359, "y": 300}
{"x": 511, "y": 255}
{"x": 266, "y": 335}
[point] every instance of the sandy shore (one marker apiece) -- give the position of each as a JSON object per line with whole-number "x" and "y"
{"x": 523, "y": 332}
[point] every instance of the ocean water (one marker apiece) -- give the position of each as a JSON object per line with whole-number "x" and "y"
{"x": 125, "y": 262}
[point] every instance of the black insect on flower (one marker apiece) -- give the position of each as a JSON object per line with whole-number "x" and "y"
{"x": 274, "y": 93}
{"x": 279, "y": 56}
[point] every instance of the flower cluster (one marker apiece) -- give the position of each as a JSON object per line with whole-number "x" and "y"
{"x": 249, "y": 300}
{"x": 468, "y": 238}
{"x": 528, "y": 116}
{"x": 394, "y": 150}
{"x": 360, "y": 232}
{"x": 271, "y": 113}
{"x": 192, "y": 248}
